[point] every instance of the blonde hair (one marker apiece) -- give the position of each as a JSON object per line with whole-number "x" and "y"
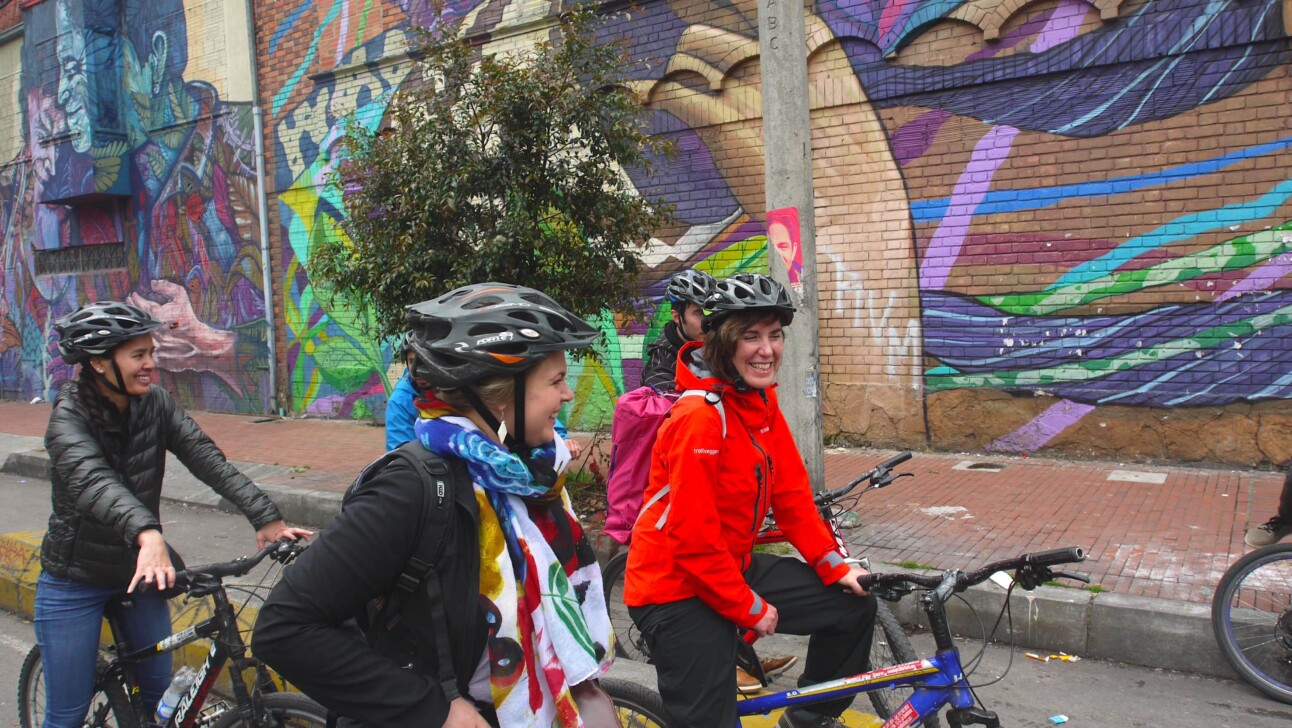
{"x": 497, "y": 391}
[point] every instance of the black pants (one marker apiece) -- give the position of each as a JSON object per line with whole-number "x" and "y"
{"x": 694, "y": 649}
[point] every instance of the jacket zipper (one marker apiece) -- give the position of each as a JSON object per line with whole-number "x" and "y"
{"x": 760, "y": 511}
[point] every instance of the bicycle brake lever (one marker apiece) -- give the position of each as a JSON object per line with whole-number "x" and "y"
{"x": 888, "y": 479}
{"x": 1074, "y": 577}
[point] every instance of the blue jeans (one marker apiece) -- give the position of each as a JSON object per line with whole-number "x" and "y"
{"x": 69, "y": 620}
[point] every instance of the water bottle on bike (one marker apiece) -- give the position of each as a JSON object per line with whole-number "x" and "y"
{"x": 179, "y": 687}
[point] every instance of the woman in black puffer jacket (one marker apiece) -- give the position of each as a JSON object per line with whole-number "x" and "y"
{"x": 107, "y": 440}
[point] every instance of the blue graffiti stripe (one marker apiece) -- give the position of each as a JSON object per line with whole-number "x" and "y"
{"x": 1008, "y": 201}
{"x": 288, "y": 23}
{"x": 1182, "y": 228}
{"x": 285, "y": 92}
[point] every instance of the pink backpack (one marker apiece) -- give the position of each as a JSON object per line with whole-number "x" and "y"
{"x": 638, "y": 416}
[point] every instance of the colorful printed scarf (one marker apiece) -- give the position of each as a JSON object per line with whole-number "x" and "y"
{"x": 548, "y": 625}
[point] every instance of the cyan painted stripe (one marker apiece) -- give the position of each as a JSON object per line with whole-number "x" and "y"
{"x": 1004, "y": 201}
{"x": 1181, "y": 228}
{"x": 285, "y": 92}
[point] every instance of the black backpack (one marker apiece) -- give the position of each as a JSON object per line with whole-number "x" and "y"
{"x": 418, "y": 592}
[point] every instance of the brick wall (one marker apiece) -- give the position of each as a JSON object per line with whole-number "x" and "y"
{"x": 122, "y": 120}
{"x": 1046, "y": 226}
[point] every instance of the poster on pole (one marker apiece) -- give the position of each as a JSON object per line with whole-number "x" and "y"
{"x": 783, "y": 235}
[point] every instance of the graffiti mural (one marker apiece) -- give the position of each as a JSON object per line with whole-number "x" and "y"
{"x": 1030, "y": 216}
{"x": 121, "y": 148}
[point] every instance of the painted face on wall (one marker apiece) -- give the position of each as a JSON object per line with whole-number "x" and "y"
{"x": 73, "y": 85}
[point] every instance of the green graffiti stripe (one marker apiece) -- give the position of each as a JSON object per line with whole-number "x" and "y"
{"x": 938, "y": 380}
{"x": 363, "y": 23}
{"x": 1230, "y": 255}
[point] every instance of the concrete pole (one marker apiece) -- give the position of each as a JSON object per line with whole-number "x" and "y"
{"x": 787, "y": 152}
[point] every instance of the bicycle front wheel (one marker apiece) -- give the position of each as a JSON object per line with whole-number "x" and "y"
{"x": 629, "y": 641}
{"x": 1251, "y": 615}
{"x": 890, "y": 646}
{"x": 636, "y": 705}
{"x": 109, "y": 708}
{"x": 280, "y": 709}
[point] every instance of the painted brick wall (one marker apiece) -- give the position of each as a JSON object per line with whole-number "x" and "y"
{"x": 1040, "y": 226}
{"x": 124, "y": 120}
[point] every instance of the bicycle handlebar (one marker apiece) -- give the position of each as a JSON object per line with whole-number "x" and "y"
{"x": 879, "y": 473}
{"x": 957, "y": 581}
{"x": 283, "y": 551}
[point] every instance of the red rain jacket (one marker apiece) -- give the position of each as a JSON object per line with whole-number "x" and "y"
{"x": 708, "y": 495}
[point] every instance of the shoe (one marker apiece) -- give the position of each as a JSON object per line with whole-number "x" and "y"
{"x": 848, "y": 519}
{"x": 1270, "y": 532}
{"x": 777, "y": 665}
{"x": 747, "y": 684}
{"x": 816, "y": 721}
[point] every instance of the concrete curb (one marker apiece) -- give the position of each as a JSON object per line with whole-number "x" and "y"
{"x": 1134, "y": 630}
{"x": 299, "y": 506}
{"x": 1143, "y": 631}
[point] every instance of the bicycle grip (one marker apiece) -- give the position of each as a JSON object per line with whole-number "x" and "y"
{"x": 898, "y": 459}
{"x": 1053, "y": 557}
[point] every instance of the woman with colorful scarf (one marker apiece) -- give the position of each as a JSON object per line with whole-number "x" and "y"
{"x": 533, "y": 643}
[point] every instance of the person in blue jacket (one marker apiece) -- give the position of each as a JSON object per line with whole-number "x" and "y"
{"x": 401, "y": 412}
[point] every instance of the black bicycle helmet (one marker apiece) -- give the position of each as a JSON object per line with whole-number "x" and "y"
{"x": 690, "y": 286}
{"x": 486, "y": 329}
{"x": 96, "y": 329}
{"x": 745, "y": 292}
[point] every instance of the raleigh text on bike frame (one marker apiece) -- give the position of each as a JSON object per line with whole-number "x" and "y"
{"x": 937, "y": 681}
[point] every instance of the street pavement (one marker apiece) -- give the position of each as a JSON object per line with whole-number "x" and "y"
{"x": 1158, "y": 536}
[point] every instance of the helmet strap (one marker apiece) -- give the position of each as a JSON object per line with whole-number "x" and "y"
{"x": 544, "y": 475}
{"x": 120, "y": 386}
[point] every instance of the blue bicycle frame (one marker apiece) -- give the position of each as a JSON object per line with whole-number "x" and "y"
{"x": 938, "y": 681}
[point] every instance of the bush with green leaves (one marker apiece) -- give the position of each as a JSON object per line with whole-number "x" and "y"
{"x": 503, "y": 167}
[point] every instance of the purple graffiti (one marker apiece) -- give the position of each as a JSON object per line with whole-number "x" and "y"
{"x": 1043, "y": 428}
{"x": 973, "y": 184}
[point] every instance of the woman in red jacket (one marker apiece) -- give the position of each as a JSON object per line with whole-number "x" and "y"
{"x": 719, "y": 463}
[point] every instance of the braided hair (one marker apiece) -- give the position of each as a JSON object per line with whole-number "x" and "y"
{"x": 108, "y": 424}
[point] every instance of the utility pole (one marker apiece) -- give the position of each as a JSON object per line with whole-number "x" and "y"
{"x": 787, "y": 153}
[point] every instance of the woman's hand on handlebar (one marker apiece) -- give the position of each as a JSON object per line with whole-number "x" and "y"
{"x": 278, "y": 531}
{"x": 849, "y": 580}
{"x": 766, "y": 625}
{"x": 462, "y": 714}
{"x": 153, "y": 567}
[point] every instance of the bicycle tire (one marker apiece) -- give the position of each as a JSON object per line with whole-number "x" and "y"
{"x": 109, "y": 707}
{"x": 890, "y": 646}
{"x": 637, "y": 705}
{"x": 1251, "y": 615}
{"x": 287, "y": 709}
{"x": 630, "y": 643}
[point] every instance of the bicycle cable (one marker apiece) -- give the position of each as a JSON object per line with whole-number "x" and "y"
{"x": 1009, "y": 664}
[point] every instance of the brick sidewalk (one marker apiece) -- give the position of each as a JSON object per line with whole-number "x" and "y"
{"x": 1170, "y": 540}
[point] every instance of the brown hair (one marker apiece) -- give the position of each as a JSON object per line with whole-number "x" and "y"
{"x": 721, "y": 341}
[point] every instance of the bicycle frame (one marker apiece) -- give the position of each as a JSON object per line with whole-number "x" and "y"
{"x": 938, "y": 681}
{"x": 227, "y": 646}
